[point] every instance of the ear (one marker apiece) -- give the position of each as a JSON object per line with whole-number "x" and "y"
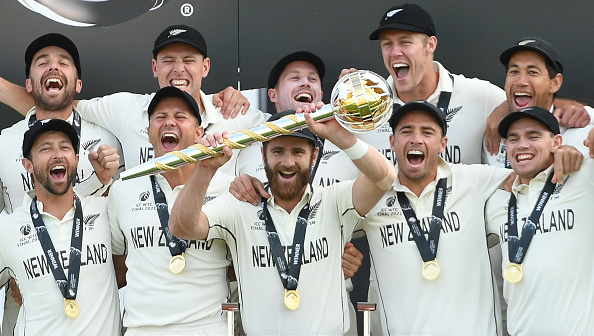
{"x": 199, "y": 134}
{"x": 557, "y": 142}
{"x": 154, "y": 66}
{"x": 431, "y": 45}
{"x": 315, "y": 156}
{"x": 205, "y": 67}
{"x": 392, "y": 142}
{"x": 78, "y": 85}
{"x": 28, "y": 85}
{"x": 273, "y": 95}
{"x": 444, "y": 142}
{"x": 28, "y": 165}
{"x": 556, "y": 83}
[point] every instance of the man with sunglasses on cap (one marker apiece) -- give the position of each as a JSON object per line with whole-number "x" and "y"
{"x": 287, "y": 250}
{"x": 544, "y": 230}
{"x": 180, "y": 59}
{"x": 52, "y": 67}
{"x": 534, "y": 75}
{"x": 173, "y": 286}
{"x": 57, "y": 244}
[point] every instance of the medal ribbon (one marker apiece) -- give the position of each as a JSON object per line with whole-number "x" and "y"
{"x": 517, "y": 247}
{"x": 427, "y": 248}
{"x": 68, "y": 287}
{"x": 444, "y": 99}
{"x": 289, "y": 274}
{"x": 176, "y": 246}
{"x": 76, "y": 122}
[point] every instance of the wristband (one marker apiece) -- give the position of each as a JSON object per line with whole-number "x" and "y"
{"x": 357, "y": 150}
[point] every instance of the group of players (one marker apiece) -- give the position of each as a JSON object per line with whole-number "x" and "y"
{"x": 72, "y": 233}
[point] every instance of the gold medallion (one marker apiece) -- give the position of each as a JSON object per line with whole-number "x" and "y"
{"x": 292, "y": 299}
{"x": 431, "y": 269}
{"x": 513, "y": 272}
{"x": 177, "y": 263}
{"x": 71, "y": 308}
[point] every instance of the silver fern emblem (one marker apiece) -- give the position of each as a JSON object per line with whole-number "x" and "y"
{"x": 314, "y": 210}
{"x": 90, "y": 144}
{"x": 451, "y": 112}
{"x": 328, "y": 154}
{"x": 89, "y": 220}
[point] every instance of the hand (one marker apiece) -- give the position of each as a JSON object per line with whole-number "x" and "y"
{"x": 248, "y": 189}
{"x": 572, "y": 115}
{"x": 351, "y": 260}
{"x": 509, "y": 183}
{"x": 214, "y": 140}
{"x": 345, "y": 72}
{"x": 567, "y": 159}
{"x": 105, "y": 162}
{"x": 232, "y": 102}
{"x": 492, "y": 139}
{"x": 16, "y": 292}
{"x": 589, "y": 142}
{"x": 329, "y": 129}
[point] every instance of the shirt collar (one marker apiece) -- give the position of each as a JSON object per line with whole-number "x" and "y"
{"x": 443, "y": 170}
{"x": 539, "y": 178}
{"x": 304, "y": 199}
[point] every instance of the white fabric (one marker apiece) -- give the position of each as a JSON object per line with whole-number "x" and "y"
{"x": 157, "y": 300}
{"x": 321, "y": 281}
{"x": 15, "y": 179}
{"x": 42, "y": 312}
{"x": 126, "y": 116}
{"x": 558, "y": 283}
{"x": 461, "y": 300}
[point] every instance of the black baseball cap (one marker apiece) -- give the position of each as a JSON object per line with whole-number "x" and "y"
{"x": 172, "y": 91}
{"x": 537, "y": 45}
{"x": 52, "y": 39}
{"x": 304, "y": 133}
{"x": 181, "y": 34}
{"x": 419, "y": 105}
{"x": 407, "y": 17}
{"x": 48, "y": 125}
{"x": 532, "y": 112}
{"x": 305, "y": 56}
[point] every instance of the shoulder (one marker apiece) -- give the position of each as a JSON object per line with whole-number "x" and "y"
{"x": 119, "y": 97}
{"x": 18, "y": 128}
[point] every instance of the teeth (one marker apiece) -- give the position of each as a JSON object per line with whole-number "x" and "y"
{"x": 169, "y": 135}
{"x": 287, "y": 172}
{"x": 415, "y": 152}
{"x": 399, "y": 65}
{"x": 517, "y": 94}
{"x": 524, "y": 157}
{"x": 51, "y": 81}
{"x": 179, "y": 82}
{"x": 58, "y": 168}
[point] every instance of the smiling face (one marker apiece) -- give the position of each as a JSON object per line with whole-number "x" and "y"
{"x": 53, "y": 79}
{"x": 528, "y": 83}
{"x": 408, "y": 58}
{"x": 287, "y": 162}
{"x": 298, "y": 84}
{"x": 182, "y": 66}
{"x": 52, "y": 162}
{"x": 173, "y": 126}
{"x": 417, "y": 142}
{"x": 530, "y": 146}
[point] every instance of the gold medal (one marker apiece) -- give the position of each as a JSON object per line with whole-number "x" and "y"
{"x": 177, "y": 263}
{"x": 292, "y": 300}
{"x": 431, "y": 269}
{"x": 71, "y": 308}
{"x": 513, "y": 272}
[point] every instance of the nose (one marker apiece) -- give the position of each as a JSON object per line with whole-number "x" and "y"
{"x": 179, "y": 67}
{"x": 170, "y": 120}
{"x": 415, "y": 137}
{"x": 288, "y": 160}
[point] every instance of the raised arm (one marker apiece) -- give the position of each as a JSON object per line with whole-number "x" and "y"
{"x": 377, "y": 173}
{"x": 16, "y": 96}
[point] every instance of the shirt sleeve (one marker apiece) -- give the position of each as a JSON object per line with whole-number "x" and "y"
{"x": 118, "y": 241}
{"x": 222, "y": 216}
{"x": 91, "y": 186}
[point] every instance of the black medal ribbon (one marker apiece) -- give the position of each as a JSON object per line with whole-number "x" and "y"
{"x": 518, "y": 246}
{"x": 427, "y": 247}
{"x": 288, "y": 272}
{"x": 67, "y": 286}
{"x": 76, "y": 123}
{"x": 176, "y": 246}
{"x": 444, "y": 99}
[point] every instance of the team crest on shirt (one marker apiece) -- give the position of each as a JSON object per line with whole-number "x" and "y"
{"x": 208, "y": 199}
{"x": 89, "y": 221}
{"x": 558, "y": 188}
{"x": 451, "y": 113}
{"x": 28, "y": 235}
{"x": 145, "y": 202}
{"x": 144, "y": 196}
{"x": 313, "y": 210}
{"x": 25, "y": 229}
{"x": 144, "y": 130}
{"x": 328, "y": 154}
{"x": 90, "y": 145}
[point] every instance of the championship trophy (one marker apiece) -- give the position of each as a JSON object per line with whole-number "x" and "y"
{"x": 361, "y": 101}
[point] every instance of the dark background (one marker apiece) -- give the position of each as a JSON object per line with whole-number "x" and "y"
{"x": 254, "y": 34}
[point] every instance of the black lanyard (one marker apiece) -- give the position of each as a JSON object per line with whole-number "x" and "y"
{"x": 444, "y": 99}
{"x": 68, "y": 287}
{"x": 427, "y": 248}
{"x": 517, "y": 247}
{"x": 289, "y": 274}
{"x": 76, "y": 122}
{"x": 176, "y": 246}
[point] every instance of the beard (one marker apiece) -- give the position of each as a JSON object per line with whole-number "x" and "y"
{"x": 286, "y": 191}
{"x": 43, "y": 178}
{"x": 44, "y": 103}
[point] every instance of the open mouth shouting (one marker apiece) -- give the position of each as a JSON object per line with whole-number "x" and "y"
{"x": 522, "y": 99}
{"x": 53, "y": 84}
{"x": 415, "y": 157}
{"x": 169, "y": 141}
{"x": 303, "y": 97}
{"x": 58, "y": 172}
{"x": 401, "y": 70}
{"x": 524, "y": 157}
{"x": 287, "y": 175}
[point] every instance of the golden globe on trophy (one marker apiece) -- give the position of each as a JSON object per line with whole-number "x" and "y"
{"x": 360, "y": 101}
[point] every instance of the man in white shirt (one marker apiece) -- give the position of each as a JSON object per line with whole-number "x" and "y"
{"x": 57, "y": 245}
{"x": 52, "y": 67}
{"x": 545, "y": 231}
{"x": 173, "y": 286}
{"x": 306, "y": 227}
{"x": 534, "y": 75}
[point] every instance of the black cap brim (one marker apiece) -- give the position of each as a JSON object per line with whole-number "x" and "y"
{"x": 535, "y": 113}
{"x": 418, "y": 105}
{"x": 305, "y": 56}
{"x": 52, "y": 39}
{"x": 398, "y": 26}
{"x": 49, "y": 125}
{"x": 172, "y": 91}
{"x": 509, "y": 52}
